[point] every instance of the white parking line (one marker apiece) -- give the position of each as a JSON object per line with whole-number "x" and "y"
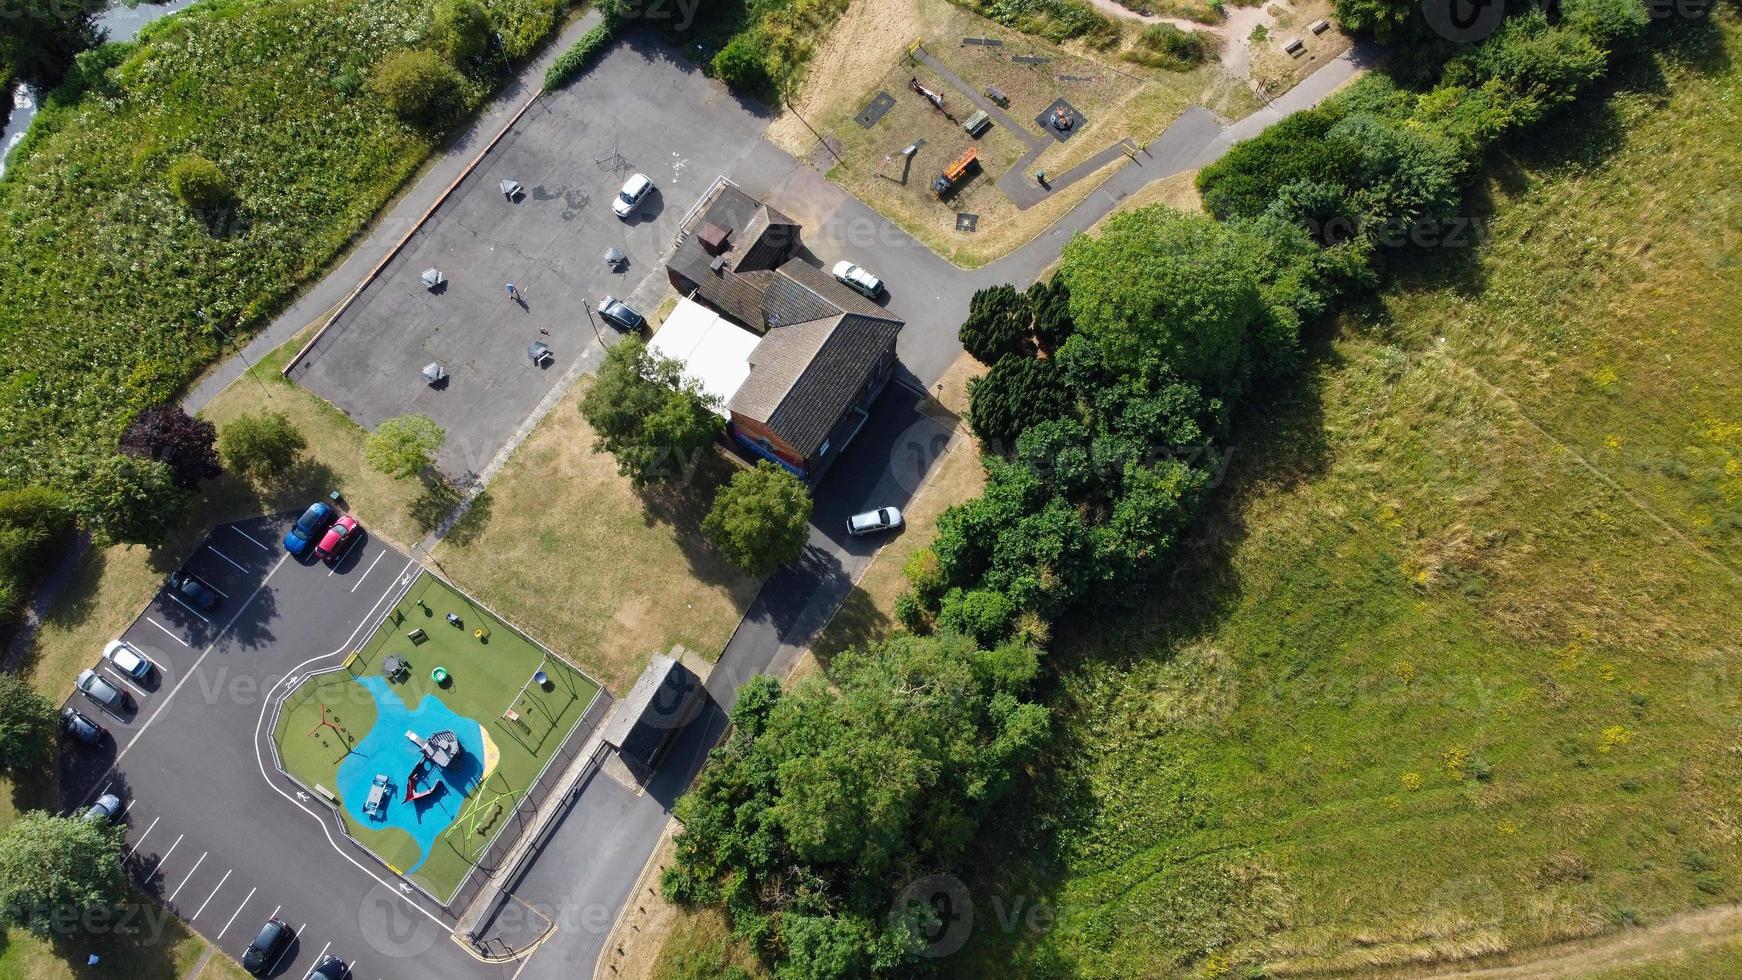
{"x": 189, "y": 608}
{"x": 172, "y": 633}
{"x": 227, "y": 558}
{"x": 250, "y": 537}
{"x": 213, "y": 895}
{"x": 371, "y": 568}
{"x": 141, "y": 839}
{"x": 161, "y": 861}
{"x": 142, "y": 692}
{"x": 190, "y": 877}
{"x": 245, "y": 900}
{"x": 298, "y": 935}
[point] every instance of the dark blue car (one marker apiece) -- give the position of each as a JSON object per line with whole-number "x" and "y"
{"x": 307, "y": 529}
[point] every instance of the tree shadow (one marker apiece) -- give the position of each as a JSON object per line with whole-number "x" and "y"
{"x": 682, "y": 504}
{"x": 437, "y": 500}
{"x": 468, "y": 529}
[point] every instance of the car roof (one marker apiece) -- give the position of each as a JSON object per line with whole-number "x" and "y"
{"x": 637, "y": 182}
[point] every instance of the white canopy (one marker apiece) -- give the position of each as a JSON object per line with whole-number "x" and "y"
{"x": 715, "y": 353}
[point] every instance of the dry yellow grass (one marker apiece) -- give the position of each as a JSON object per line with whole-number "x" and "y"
{"x": 562, "y": 546}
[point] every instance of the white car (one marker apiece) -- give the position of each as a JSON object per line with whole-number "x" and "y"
{"x": 858, "y": 279}
{"x": 873, "y": 521}
{"x": 127, "y": 659}
{"x": 635, "y": 190}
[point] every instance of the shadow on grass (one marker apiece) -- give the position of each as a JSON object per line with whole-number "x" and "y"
{"x": 436, "y": 502}
{"x": 682, "y": 505}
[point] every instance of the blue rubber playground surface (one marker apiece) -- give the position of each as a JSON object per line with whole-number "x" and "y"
{"x": 386, "y": 751}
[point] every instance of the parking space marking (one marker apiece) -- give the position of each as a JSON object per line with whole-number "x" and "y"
{"x": 250, "y": 538}
{"x": 141, "y": 839}
{"x": 142, "y": 692}
{"x": 172, "y": 633}
{"x": 371, "y": 568}
{"x": 195, "y": 668}
{"x": 160, "y": 862}
{"x": 190, "y": 877}
{"x": 227, "y": 558}
{"x": 213, "y": 895}
{"x": 298, "y": 935}
{"x": 189, "y": 608}
{"x": 245, "y": 900}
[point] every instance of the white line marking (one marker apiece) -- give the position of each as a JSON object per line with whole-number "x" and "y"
{"x": 266, "y": 706}
{"x": 295, "y": 935}
{"x": 172, "y": 633}
{"x": 250, "y": 537}
{"x": 190, "y": 877}
{"x": 227, "y": 558}
{"x": 141, "y": 839}
{"x": 318, "y": 955}
{"x": 195, "y": 668}
{"x": 160, "y": 862}
{"x": 238, "y": 911}
{"x": 213, "y": 895}
{"x": 184, "y": 605}
{"x": 142, "y": 692}
{"x": 371, "y": 568}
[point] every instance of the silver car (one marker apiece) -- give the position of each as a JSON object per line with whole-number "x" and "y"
{"x": 101, "y": 691}
{"x": 635, "y": 190}
{"x": 874, "y": 521}
{"x": 126, "y": 658}
{"x": 858, "y": 279}
{"x": 105, "y": 810}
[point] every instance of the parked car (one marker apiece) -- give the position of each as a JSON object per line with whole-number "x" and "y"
{"x": 338, "y": 538}
{"x": 874, "y": 521}
{"x": 329, "y": 968}
{"x": 263, "y": 953}
{"x": 126, "y": 658}
{"x": 95, "y": 687}
{"x": 635, "y": 190}
{"x": 308, "y": 528}
{"x": 618, "y": 314}
{"x": 75, "y": 723}
{"x": 105, "y": 810}
{"x": 858, "y": 279}
{"x": 193, "y": 591}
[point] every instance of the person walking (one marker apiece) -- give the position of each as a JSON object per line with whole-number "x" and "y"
{"x": 513, "y": 293}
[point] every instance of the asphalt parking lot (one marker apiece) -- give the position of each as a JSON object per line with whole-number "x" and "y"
{"x": 213, "y": 834}
{"x": 640, "y": 109}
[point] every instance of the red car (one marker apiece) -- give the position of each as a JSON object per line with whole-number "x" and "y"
{"x": 338, "y": 538}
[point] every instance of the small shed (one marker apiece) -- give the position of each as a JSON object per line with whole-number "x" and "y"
{"x": 977, "y": 124}
{"x": 661, "y": 703}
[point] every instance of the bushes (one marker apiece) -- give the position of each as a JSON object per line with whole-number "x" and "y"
{"x": 262, "y": 446}
{"x": 418, "y": 87}
{"x": 35, "y": 523}
{"x": 403, "y": 446}
{"x": 1056, "y": 20}
{"x": 1166, "y": 46}
{"x": 580, "y": 56}
{"x": 742, "y": 65}
{"x": 1000, "y": 321}
{"x": 1016, "y": 393}
{"x": 199, "y": 183}
{"x": 27, "y": 726}
{"x": 461, "y": 31}
{"x": 119, "y": 499}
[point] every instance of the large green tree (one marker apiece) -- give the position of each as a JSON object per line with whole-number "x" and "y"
{"x": 827, "y": 800}
{"x": 39, "y": 40}
{"x": 261, "y": 446}
{"x": 1164, "y": 291}
{"x": 648, "y": 415}
{"x": 120, "y": 499}
{"x": 171, "y": 436}
{"x": 404, "y": 446}
{"x": 35, "y": 523}
{"x": 27, "y": 725}
{"x": 54, "y": 870}
{"x": 760, "y": 519}
{"x": 1000, "y": 321}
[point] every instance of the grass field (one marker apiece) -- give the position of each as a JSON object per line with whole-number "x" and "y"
{"x": 487, "y": 677}
{"x": 1450, "y": 670}
{"x": 604, "y": 574}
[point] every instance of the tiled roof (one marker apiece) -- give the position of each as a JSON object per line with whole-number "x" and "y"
{"x": 804, "y": 376}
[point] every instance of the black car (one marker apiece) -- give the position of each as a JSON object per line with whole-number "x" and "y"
{"x": 74, "y": 722}
{"x": 618, "y": 314}
{"x": 262, "y": 954}
{"x": 329, "y": 968}
{"x": 193, "y": 591}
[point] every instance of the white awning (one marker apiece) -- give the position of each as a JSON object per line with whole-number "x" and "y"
{"x": 715, "y": 352}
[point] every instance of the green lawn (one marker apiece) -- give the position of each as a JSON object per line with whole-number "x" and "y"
{"x": 1449, "y": 671}
{"x": 487, "y": 677}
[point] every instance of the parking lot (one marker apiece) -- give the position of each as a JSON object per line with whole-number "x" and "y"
{"x": 640, "y": 109}
{"x": 214, "y": 833}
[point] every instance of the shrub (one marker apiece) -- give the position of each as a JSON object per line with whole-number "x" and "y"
{"x": 912, "y": 614}
{"x": 760, "y": 520}
{"x": 580, "y": 55}
{"x": 1243, "y": 183}
{"x": 742, "y": 65}
{"x": 199, "y": 183}
{"x": 461, "y": 31}
{"x": 27, "y": 725}
{"x": 120, "y": 499}
{"x": 261, "y": 446}
{"x": 925, "y": 575}
{"x": 1017, "y": 393}
{"x": 1166, "y": 46}
{"x": 404, "y": 446}
{"x": 1000, "y": 321}
{"x": 178, "y": 440}
{"x": 983, "y": 615}
{"x": 418, "y": 86}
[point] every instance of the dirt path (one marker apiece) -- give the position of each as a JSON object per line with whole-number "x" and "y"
{"x": 1113, "y": 8}
{"x": 1684, "y": 933}
{"x": 1235, "y": 54}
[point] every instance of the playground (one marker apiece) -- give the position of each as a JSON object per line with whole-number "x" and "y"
{"x": 430, "y": 735}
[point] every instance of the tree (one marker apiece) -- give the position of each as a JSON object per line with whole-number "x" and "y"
{"x": 981, "y": 614}
{"x": 185, "y": 444}
{"x": 34, "y": 524}
{"x": 418, "y": 86}
{"x": 743, "y": 65}
{"x": 53, "y": 868}
{"x": 404, "y": 446}
{"x": 1017, "y": 393}
{"x": 1164, "y": 292}
{"x": 1000, "y": 322}
{"x": 38, "y": 41}
{"x": 462, "y": 29}
{"x": 760, "y": 520}
{"x": 27, "y": 725}
{"x": 199, "y": 183}
{"x": 1051, "y": 301}
{"x": 120, "y": 499}
{"x": 647, "y": 414}
{"x": 260, "y": 446}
